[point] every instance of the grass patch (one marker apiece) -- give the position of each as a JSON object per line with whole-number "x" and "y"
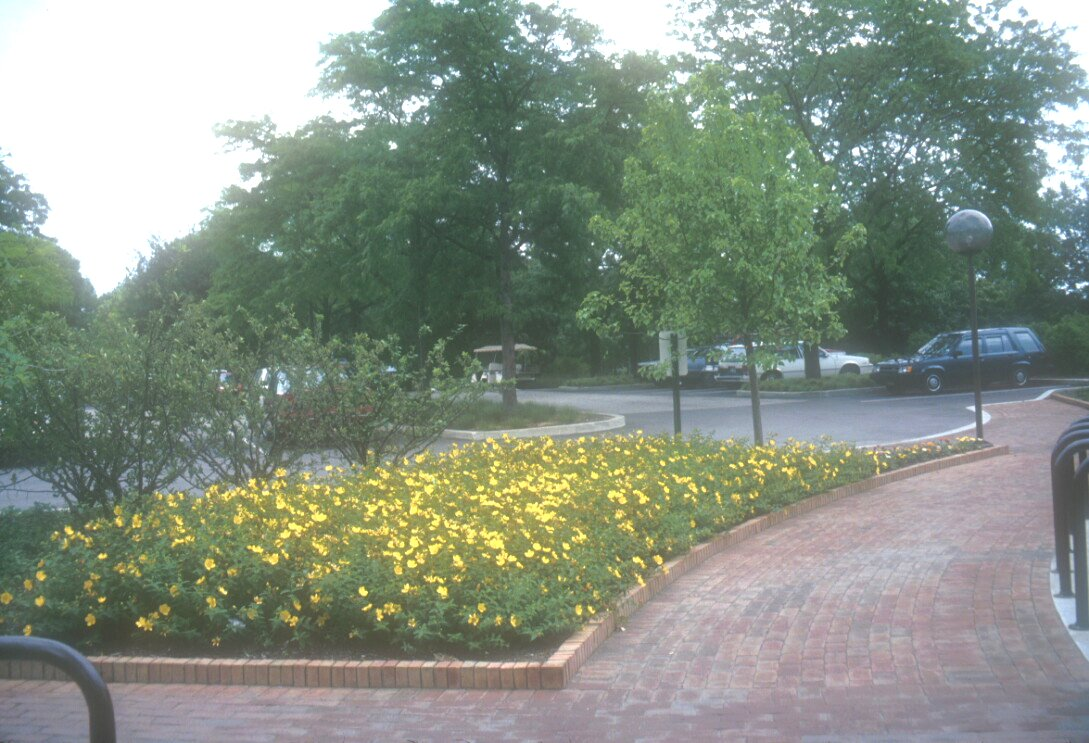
{"x": 1081, "y": 393}
{"x": 488, "y": 415}
{"x": 832, "y": 382}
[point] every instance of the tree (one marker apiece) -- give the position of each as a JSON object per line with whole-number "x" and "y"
{"x": 920, "y": 109}
{"x": 718, "y": 232}
{"x": 493, "y": 81}
{"x": 37, "y": 276}
{"x": 21, "y": 210}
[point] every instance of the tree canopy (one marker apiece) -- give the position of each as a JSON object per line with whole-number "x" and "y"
{"x": 718, "y": 236}
{"x": 920, "y": 109}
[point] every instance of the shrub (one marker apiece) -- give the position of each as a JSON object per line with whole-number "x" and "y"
{"x": 101, "y": 413}
{"x": 1067, "y": 343}
{"x": 488, "y": 545}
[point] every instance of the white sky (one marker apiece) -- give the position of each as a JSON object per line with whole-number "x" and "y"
{"x": 109, "y": 105}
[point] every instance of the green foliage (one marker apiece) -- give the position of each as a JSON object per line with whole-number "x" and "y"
{"x": 21, "y": 210}
{"x": 718, "y": 235}
{"x": 103, "y": 412}
{"x": 490, "y": 545}
{"x": 118, "y": 411}
{"x": 1067, "y": 343}
{"x": 898, "y": 98}
{"x": 37, "y": 276}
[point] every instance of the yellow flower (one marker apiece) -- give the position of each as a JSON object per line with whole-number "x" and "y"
{"x": 514, "y": 621}
{"x": 211, "y": 602}
{"x": 441, "y": 590}
{"x": 209, "y": 563}
{"x": 363, "y": 591}
{"x": 28, "y": 584}
{"x": 144, "y": 623}
{"x": 473, "y": 620}
{"x": 40, "y": 575}
{"x": 90, "y": 620}
{"x": 578, "y": 610}
{"x": 28, "y": 630}
{"x": 481, "y": 607}
{"x": 5, "y": 598}
{"x": 40, "y": 601}
{"x": 164, "y": 609}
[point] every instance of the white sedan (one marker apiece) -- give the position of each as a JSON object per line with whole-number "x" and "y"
{"x": 790, "y": 364}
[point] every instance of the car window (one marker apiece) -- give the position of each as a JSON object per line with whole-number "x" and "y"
{"x": 965, "y": 347}
{"x": 1027, "y": 341}
{"x": 941, "y": 345}
{"x": 994, "y": 344}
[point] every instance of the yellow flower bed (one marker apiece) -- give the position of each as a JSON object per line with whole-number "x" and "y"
{"x": 488, "y": 545}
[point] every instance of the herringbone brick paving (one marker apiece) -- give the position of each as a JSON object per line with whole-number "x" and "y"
{"x": 921, "y": 610}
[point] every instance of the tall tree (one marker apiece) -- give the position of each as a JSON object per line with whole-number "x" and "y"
{"x": 718, "y": 230}
{"x": 21, "y": 210}
{"x": 493, "y": 81}
{"x": 920, "y": 109}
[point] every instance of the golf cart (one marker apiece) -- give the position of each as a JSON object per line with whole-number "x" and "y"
{"x": 491, "y": 359}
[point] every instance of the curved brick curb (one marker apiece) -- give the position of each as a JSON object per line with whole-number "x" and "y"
{"x": 553, "y": 673}
{"x": 1069, "y": 400}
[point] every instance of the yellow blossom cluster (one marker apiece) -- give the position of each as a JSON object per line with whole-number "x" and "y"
{"x": 485, "y": 545}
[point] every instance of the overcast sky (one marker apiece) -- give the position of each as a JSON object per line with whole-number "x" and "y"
{"x": 109, "y": 105}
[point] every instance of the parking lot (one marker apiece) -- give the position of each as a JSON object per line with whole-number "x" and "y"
{"x": 866, "y": 417}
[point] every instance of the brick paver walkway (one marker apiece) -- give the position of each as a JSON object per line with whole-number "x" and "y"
{"x": 919, "y": 610}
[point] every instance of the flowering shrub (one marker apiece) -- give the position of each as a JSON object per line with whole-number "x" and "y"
{"x": 487, "y": 545}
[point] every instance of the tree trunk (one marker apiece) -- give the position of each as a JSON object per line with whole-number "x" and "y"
{"x": 506, "y": 326}
{"x": 812, "y": 361}
{"x": 754, "y": 395}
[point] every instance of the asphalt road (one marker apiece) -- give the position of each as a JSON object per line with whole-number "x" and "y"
{"x": 865, "y": 418}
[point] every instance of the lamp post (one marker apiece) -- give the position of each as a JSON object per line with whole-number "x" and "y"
{"x": 969, "y": 232}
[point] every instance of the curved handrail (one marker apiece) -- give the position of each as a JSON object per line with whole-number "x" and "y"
{"x": 95, "y": 693}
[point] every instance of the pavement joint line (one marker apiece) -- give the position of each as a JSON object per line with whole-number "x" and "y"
{"x": 551, "y": 674}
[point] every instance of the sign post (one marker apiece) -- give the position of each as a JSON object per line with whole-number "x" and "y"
{"x": 674, "y": 346}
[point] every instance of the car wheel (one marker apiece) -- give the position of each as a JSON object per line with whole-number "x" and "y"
{"x": 772, "y": 375}
{"x": 1019, "y": 377}
{"x": 850, "y": 369}
{"x": 934, "y": 382}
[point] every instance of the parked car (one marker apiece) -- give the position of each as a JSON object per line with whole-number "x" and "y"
{"x": 790, "y": 364}
{"x": 1006, "y": 355}
{"x": 702, "y": 362}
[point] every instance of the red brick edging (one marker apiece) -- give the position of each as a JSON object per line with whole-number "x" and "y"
{"x": 553, "y": 673}
{"x": 1069, "y": 400}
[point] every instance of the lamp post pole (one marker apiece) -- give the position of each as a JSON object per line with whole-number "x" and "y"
{"x": 969, "y": 232}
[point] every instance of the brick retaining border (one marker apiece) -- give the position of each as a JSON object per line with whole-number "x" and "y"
{"x": 1069, "y": 400}
{"x": 553, "y": 673}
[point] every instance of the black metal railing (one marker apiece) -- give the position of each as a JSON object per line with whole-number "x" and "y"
{"x": 1070, "y": 506}
{"x": 79, "y": 669}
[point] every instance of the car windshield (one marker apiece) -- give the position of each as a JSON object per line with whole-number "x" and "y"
{"x": 941, "y": 345}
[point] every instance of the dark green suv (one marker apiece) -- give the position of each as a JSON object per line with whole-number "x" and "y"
{"x": 1006, "y": 355}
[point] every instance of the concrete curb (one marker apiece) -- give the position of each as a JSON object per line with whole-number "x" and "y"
{"x": 1069, "y": 400}
{"x": 553, "y": 673}
{"x": 845, "y": 392}
{"x": 608, "y": 423}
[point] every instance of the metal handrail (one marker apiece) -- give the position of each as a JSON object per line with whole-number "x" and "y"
{"x": 1071, "y": 443}
{"x": 79, "y": 669}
